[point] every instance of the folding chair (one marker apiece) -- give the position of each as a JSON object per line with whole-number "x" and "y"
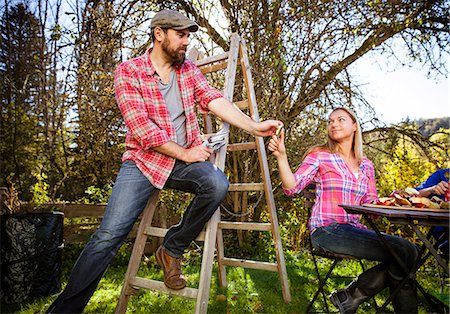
{"x": 309, "y": 195}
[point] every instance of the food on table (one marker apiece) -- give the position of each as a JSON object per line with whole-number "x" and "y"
{"x": 411, "y": 191}
{"x": 423, "y": 202}
{"x": 409, "y": 197}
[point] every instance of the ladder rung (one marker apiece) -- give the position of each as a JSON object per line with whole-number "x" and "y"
{"x": 202, "y": 62}
{"x": 241, "y": 146}
{"x": 161, "y": 232}
{"x": 234, "y": 225}
{"x": 213, "y": 67}
{"x": 236, "y": 187}
{"x": 249, "y": 264}
{"x": 243, "y": 104}
{"x": 160, "y": 286}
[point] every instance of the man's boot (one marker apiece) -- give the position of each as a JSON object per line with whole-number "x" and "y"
{"x": 367, "y": 285}
{"x": 405, "y": 300}
{"x": 171, "y": 266}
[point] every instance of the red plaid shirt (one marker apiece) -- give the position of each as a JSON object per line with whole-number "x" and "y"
{"x": 147, "y": 118}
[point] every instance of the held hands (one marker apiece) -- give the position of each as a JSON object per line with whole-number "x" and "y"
{"x": 276, "y": 145}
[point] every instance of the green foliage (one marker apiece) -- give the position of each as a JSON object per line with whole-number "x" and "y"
{"x": 19, "y": 81}
{"x": 40, "y": 189}
{"x": 406, "y": 168}
{"x": 95, "y": 195}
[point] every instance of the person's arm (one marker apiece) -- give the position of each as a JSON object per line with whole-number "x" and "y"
{"x": 189, "y": 155}
{"x": 438, "y": 189}
{"x": 229, "y": 113}
{"x": 276, "y": 146}
{"x": 371, "y": 196}
{"x": 209, "y": 99}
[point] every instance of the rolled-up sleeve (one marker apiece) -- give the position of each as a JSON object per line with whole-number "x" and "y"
{"x": 304, "y": 174}
{"x": 371, "y": 195}
{"x": 134, "y": 110}
{"x": 204, "y": 93}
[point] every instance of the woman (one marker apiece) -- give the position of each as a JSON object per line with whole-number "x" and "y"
{"x": 342, "y": 175}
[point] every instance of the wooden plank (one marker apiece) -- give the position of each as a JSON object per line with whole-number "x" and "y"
{"x": 253, "y": 108}
{"x": 419, "y": 209}
{"x": 250, "y": 264}
{"x": 241, "y": 146}
{"x": 160, "y": 286}
{"x": 212, "y": 59}
{"x": 161, "y": 232}
{"x": 214, "y": 67}
{"x": 83, "y": 210}
{"x": 236, "y": 225}
{"x": 136, "y": 253}
{"x": 69, "y": 210}
{"x": 204, "y": 284}
{"x": 236, "y": 187}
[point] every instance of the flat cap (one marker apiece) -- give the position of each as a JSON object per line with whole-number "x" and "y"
{"x": 173, "y": 19}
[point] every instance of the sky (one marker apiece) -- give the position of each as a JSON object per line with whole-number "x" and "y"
{"x": 404, "y": 92}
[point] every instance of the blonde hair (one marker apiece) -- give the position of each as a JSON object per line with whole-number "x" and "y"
{"x": 331, "y": 145}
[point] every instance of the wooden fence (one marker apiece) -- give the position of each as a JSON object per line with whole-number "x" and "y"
{"x": 80, "y": 220}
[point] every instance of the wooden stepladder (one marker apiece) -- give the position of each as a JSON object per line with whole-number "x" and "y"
{"x": 212, "y": 237}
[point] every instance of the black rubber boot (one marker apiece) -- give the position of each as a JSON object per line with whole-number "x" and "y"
{"x": 405, "y": 300}
{"x": 367, "y": 285}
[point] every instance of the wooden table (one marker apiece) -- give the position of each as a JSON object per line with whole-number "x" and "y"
{"x": 414, "y": 217}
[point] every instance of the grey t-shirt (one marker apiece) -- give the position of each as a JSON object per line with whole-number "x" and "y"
{"x": 172, "y": 97}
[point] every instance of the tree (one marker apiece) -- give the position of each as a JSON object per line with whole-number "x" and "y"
{"x": 19, "y": 86}
{"x": 99, "y": 132}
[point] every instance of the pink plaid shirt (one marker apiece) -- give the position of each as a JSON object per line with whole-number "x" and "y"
{"x": 335, "y": 184}
{"x": 146, "y": 115}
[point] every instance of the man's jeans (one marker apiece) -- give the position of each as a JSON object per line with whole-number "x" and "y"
{"x": 365, "y": 244}
{"x": 129, "y": 196}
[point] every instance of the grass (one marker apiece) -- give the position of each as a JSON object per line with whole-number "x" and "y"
{"x": 248, "y": 291}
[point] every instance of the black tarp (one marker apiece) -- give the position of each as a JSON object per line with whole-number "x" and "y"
{"x": 31, "y": 247}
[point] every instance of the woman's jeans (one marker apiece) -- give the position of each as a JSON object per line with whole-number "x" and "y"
{"x": 129, "y": 196}
{"x": 365, "y": 244}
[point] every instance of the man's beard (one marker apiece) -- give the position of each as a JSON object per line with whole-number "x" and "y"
{"x": 174, "y": 54}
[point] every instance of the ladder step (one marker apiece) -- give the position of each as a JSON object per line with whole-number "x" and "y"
{"x": 241, "y": 146}
{"x": 214, "y": 67}
{"x": 234, "y": 225}
{"x": 243, "y": 104}
{"x": 160, "y": 286}
{"x": 212, "y": 59}
{"x": 236, "y": 187}
{"x": 161, "y": 232}
{"x": 249, "y": 264}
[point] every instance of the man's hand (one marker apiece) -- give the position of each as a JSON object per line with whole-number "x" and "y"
{"x": 189, "y": 155}
{"x": 231, "y": 114}
{"x": 440, "y": 188}
{"x": 197, "y": 153}
{"x": 267, "y": 128}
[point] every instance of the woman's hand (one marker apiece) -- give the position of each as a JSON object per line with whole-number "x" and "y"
{"x": 276, "y": 145}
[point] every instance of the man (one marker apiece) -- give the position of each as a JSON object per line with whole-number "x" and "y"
{"x": 156, "y": 94}
{"x": 436, "y": 185}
